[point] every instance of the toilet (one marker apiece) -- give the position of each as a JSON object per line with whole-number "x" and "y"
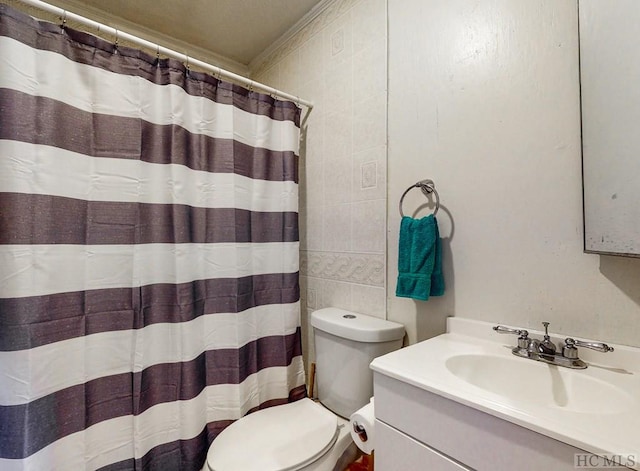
{"x": 308, "y": 435}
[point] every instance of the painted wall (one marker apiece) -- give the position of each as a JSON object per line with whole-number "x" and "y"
{"x": 484, "y": 99}
{"x": 338, "y": 61}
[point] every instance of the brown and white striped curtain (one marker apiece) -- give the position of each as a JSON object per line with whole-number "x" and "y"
{"x": 148, "y": 254}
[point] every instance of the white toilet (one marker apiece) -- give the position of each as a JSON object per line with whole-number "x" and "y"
{"x": 306, "y": 435}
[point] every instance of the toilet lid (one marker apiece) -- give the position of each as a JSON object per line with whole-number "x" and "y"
{"x": 279, "y": 438}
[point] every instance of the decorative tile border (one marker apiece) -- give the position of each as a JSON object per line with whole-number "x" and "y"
{"x": 366, "y": 269}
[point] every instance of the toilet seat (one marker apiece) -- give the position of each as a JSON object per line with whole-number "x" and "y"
{"x": 280, "y": 438}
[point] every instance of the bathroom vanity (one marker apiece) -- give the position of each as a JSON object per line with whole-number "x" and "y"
{"x": 463, "y": 401}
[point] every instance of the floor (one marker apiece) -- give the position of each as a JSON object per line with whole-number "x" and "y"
{"x": 364, "y": 463}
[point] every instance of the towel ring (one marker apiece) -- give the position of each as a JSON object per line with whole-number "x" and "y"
{"x": 427, "y": 187}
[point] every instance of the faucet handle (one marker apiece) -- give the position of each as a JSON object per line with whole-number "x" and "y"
{"x": 570, "y": 343}
{"x": 523, "y": 334}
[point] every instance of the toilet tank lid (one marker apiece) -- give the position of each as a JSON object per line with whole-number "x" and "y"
{"x": 354, "y": 326}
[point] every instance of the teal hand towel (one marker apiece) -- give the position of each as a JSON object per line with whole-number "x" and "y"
{"x": 419, "y": 259}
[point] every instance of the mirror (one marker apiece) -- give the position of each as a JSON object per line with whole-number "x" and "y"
{"x": 610, "y": 101}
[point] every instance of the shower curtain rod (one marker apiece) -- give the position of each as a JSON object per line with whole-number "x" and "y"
{"x": 218, "y": 71}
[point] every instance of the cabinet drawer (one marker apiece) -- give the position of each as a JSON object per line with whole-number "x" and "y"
{"x": 397, "y": 451}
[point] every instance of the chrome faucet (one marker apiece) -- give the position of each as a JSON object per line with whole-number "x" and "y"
{"x": 545, "y": 350}
{"x": 546, "y": 347}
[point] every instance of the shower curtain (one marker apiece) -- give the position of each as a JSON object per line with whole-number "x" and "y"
{"x": 148, "y": 254}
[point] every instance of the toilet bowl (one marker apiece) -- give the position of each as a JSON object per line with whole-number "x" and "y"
{"x": 306, "y": 435}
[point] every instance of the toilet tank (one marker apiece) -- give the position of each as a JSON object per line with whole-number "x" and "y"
{"x": 345, "y": 343}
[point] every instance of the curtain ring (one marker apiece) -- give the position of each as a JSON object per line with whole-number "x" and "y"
{"x": 251, "y": 87}
{"x": 218, "y": 73}
{"x": 63, "y": 23}
{"x": 115, "y": 45}
{"x": 186, "y": 71}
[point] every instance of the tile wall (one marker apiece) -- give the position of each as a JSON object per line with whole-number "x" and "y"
{"x": 338, "y": 61}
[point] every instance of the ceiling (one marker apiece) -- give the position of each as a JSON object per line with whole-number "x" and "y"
{"x": 234, "y": 29}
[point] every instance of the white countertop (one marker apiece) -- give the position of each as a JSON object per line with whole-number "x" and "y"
{"x": 608, "y": 423}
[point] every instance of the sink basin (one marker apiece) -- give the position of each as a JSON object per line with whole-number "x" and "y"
{"x": 540, "y": 384}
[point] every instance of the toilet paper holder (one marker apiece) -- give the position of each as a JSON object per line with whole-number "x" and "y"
{"x": 360, "y": 431}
